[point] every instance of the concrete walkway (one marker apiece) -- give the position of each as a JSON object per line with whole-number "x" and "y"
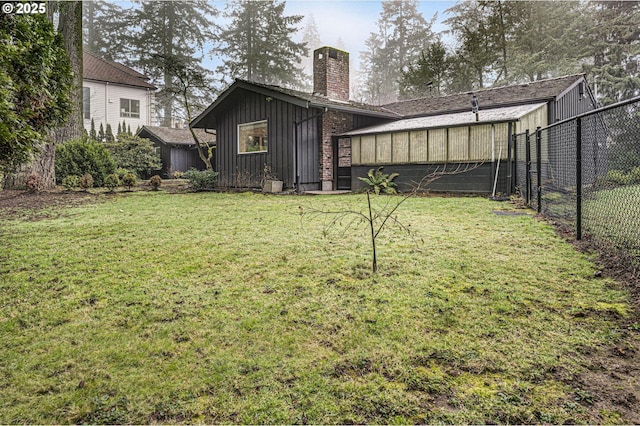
{"x": 327, "y": 192}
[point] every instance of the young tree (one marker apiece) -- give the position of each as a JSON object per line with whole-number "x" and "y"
{"x": 257, "y": 44}
{"x": 402, "y": 35}
{"x": 35, "y": 82}
{"x": 188, "y": 81}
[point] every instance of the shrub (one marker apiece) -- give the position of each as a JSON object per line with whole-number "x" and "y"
{"x": 129, "y": 180}
{"x": 121, "y": 172}
{"x": 82, "y": 156}
{"x": 201, "y": 180}
{"x": 71, "y": 181}
{"x": 112, "y": 181}
{"x": 86, "y": 181}
{"x": 177, "y": 174}
{"x": 34, "y": 182}
{"x": 155, "y": 182}
{"x": 380, "y": 182}
{"x": 135, "y": 154}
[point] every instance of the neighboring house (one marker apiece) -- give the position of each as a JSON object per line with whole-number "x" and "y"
{"x": 177, "y": 148}
{"x": 324, "y": 141}
{"x": 113, "y": 93}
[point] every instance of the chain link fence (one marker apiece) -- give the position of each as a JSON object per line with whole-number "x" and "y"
{"x": 584, "y": 173}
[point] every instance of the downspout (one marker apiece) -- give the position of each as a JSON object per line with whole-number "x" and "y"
{"x": 296, "y": 171}
{"x": 106, "y": 105}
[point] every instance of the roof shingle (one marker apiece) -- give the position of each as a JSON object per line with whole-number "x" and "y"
{"x": 98, "y": 69}
{"x": 170, "y": 136}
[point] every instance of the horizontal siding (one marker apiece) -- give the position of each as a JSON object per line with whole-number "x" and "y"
{"x": 105, "y": 106}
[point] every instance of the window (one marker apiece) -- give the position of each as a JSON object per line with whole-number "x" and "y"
{"x": 129, "y": 108}
{"x": 252, "y": 137}
{"x": 86, "y": 105}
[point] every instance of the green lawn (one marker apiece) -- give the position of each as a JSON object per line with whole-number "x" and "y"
{"x": 172, "y": 308}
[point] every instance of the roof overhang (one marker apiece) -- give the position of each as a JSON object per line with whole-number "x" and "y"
{"x": 486, "y": 116}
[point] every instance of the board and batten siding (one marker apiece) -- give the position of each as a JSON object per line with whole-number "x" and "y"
{"x": 104, "y": 100}
{"x": 246, "y": 169}
{"x": 430, "y": 146}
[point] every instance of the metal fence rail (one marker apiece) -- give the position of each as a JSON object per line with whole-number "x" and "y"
{"x": 585, "y": 174}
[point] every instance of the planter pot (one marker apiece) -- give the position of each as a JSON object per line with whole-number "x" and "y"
{"x": 272, "y": 186}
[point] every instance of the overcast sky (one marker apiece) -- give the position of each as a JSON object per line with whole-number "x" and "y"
{"x": 353, "y": 20}
{"x": 349, "y": 20}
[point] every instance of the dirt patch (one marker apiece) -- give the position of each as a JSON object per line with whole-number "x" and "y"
{"x": 36, "y": 206}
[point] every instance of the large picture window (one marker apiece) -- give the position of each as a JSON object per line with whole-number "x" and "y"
{"x": 252, "y": 137}
{"x": 129, "y": 108}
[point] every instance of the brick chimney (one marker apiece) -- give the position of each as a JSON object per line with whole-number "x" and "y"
{"x": 331, "y": 73}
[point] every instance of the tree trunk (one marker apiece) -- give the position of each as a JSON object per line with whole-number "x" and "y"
{"x": 43, "y": 165}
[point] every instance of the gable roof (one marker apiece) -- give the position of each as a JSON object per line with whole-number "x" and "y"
{"x": 170, "y": 136}
{"x": 97, "y": 69}
{"x": 518, "y": 94}
{"x": 488, "y": 116}
{"x": 296, "y": 97}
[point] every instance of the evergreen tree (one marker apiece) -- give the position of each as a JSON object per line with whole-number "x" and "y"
{"x": 311, "y": 39}
{"x": 119, "y": 131}
{"x": 92, "y": 132}
{"x": 166, "y": 30}
{"x": 106, "y": 30}
{"x": 35, "y": 81}
{"x": 257, "y": 44}
{"x": 475, "y": 51}
{"x": 614, "y": 49}
{"x": 428, "y": 76}
{"x": 101, "y": 134}
{"x": 402, "y": 35}
{"x": 108, "y": 134}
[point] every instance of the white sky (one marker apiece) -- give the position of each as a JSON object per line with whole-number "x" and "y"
{"x": 349, "y": 20}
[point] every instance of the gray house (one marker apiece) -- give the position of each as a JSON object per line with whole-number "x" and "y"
{"x": 177, "y": 148}
{"x": 321, "y": 140}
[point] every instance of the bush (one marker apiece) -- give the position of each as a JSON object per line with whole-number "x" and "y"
{"x": 112, "y": 181}
{"x": 129, "y": 180}
{"x": 177, "y": 174}
{"x": 86, "y": 181}
{"x": 71, "y": 181}
{"x": 201, "y": 180}
{"x": 34, "y": 182}
{"x": 155, "y": 182}
{"x": 82, "y": 156}
{"x": 135, "y": 154}
{"x": 121, "y": 172}
{"x": 380, "y": 182}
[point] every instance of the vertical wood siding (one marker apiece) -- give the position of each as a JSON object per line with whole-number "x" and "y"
{"x": 400, "y": 153}
{"x": 383, "y": 148}
{"x": 418, "y": 146}
{"x": 355, "y": 150}
{"x": 438, "y": 145}
{"x": 459, "y": 144}
{"x": 247, "y": 169}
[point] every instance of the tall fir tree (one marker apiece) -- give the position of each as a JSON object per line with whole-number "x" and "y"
{"x": 258, "y": 44}
{"x": 311, "y": 38}
{"x": 428, "y": 76}
{"x": 170, "y": 30}
{"x": 106, "y": 30}
{"x": 614, "y": 49}
{"x": 402, "y": 35}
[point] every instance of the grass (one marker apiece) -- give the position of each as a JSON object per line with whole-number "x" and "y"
{"x": 612, "y": 216}
{"x": 218, "y": 308}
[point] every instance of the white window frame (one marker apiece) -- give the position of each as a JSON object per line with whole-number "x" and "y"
{"x": 253, "y": 123}
{"x": 126, "y": 113}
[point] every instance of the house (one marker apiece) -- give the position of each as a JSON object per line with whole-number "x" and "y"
{"x": 177, "y": 148}
{"x": 113, "y": 93}
{"x": 321, "y": 140}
